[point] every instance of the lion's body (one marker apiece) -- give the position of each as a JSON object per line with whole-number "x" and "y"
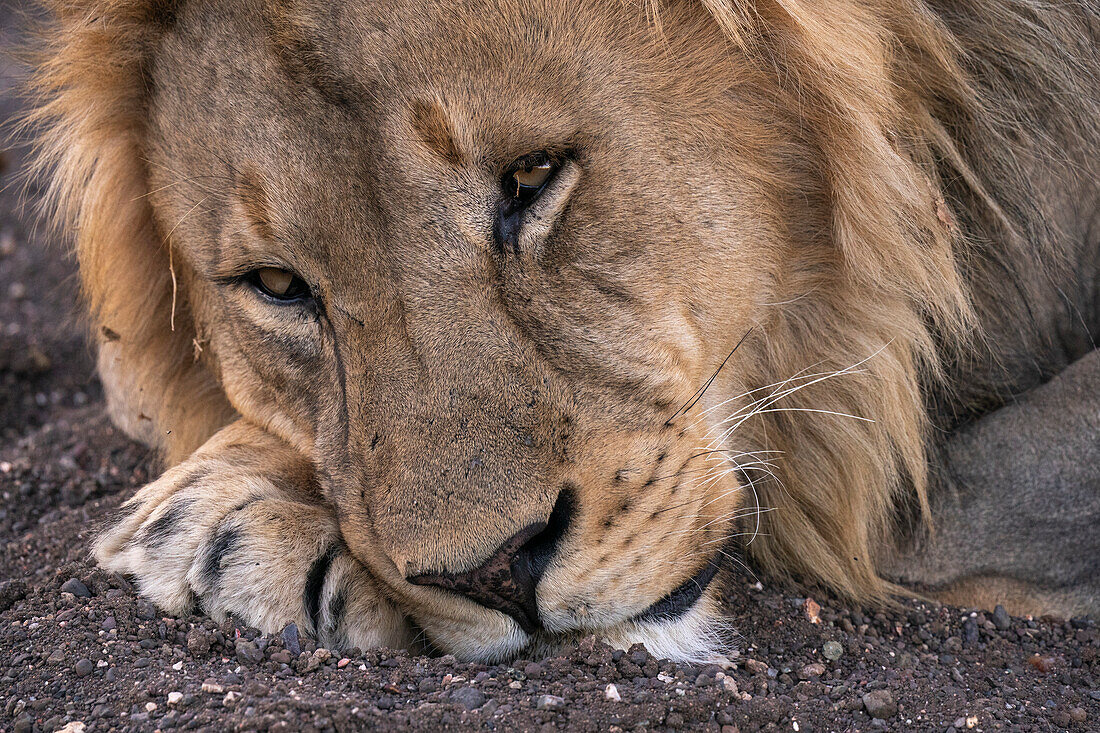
{"x": 1016, "y": 489}
{"x": 890, "y": 205}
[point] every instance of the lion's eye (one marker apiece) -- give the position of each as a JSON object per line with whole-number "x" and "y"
{"x": 528, "y": 177}
{"x": 278, "y": 284}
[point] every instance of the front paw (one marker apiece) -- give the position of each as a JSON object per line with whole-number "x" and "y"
{"x": 155, "y": 536}
{"x": 232, "y": 542}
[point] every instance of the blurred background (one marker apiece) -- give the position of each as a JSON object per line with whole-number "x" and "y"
{"x": 44, "y": 362}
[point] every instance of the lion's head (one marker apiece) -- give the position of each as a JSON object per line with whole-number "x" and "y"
{"x": 487, "y": 265}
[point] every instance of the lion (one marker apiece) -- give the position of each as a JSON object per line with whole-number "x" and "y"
{"x": 485, "y": 326}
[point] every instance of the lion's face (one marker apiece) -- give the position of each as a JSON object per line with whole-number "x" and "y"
{"x": 478, "y": 266}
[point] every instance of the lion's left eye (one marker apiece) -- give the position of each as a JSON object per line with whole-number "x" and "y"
{"x": 528, "y": 177}
{"x": 278, "y": 284}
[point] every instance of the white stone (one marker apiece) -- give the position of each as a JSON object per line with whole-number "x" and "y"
{"x": 76, "y": 726}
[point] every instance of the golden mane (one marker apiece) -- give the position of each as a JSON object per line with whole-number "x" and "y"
{"x": 89, "y": 83}
{"x": 910, "y": 150}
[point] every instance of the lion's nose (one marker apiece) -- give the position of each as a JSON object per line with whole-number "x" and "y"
{"x": 506, "y": 581}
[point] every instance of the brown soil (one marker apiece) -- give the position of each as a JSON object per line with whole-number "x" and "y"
{"x": 78, "y": 646}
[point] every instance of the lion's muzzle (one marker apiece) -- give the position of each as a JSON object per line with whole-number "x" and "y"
{"x": 506, "y": 582}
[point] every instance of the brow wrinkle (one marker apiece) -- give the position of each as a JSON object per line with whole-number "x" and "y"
{"x": 431, "y": 124}
{"x": 254, "y": 202}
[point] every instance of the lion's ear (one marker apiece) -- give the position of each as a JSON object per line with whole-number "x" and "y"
{"x": 89, "y": 120}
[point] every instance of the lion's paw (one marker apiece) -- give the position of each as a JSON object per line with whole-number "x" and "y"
{"x": 226, "y": 543}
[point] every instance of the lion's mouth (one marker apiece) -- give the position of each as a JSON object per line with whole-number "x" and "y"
{"x": 681, "y": 599}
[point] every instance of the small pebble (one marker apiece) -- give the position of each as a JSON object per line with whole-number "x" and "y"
{"x": 78, "y": 589}
{"x": 755, "y": 666}
{"x": 470, "y": 698}
{"x": 550, "y": 702}
{"x": 1043, "y": 664}
{"x": 1001, "y": 619}
{"x": 198, "y": 642}
{"x": 812, "y": 609}
{"x": 611, "y": 692}
{"x": 812, "y": 670}
{"x": 174, "y": 697}
{"x": 832, "y": 650}
{"x": 83, "y": 668}
{"x": 248, "y": 652}
{"x": 291, "y": 640}
{"x": 11, "y": 590}
{"x": 880, "y": 704}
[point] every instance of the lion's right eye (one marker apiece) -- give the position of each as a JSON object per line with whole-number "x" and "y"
{"x": 528, "y": 177}
{"x": 278, "y": 284}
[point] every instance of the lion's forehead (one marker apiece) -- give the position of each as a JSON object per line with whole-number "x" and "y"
{"x": 506, "y": 74}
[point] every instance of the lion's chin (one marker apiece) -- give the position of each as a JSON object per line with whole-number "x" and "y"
{"x": 701, "y": 635}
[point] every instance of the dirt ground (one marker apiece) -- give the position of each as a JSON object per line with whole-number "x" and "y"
{"x": 80, "y": 651}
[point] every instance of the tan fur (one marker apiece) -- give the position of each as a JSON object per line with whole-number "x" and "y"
{"x": 832, "y": 180}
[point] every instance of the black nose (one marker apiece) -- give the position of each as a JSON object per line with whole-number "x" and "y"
{"x": 506, "y": 581}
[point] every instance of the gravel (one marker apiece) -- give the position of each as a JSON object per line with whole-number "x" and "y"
{"x": 79, "y": 650}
